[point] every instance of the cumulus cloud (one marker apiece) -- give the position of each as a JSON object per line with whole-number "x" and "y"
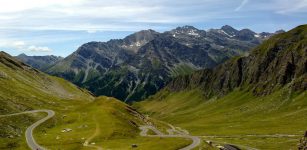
{"x": 23, "y": 46}
{"x": 34, "y": 48}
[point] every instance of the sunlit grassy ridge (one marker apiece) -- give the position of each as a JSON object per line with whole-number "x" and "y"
{"x": 23, "y": 88}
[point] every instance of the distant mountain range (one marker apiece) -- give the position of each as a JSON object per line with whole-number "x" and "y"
{"x": 139, "y": 65}
{"x": 39, "y": 62}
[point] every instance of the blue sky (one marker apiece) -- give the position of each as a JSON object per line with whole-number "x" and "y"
{"x": 59, "y": 27}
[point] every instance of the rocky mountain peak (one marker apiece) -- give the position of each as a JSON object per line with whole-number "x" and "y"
{"x": 229, "y": 30}
{"x": 135, "y": 41}
{"x": 247, "y": 31}
{"x": 186, "y": 31}
{"x": 185, "y": 28}
{"x": 246, "y": 35}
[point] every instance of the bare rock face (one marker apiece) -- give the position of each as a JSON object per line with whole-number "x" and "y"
{"x": 279, "y": 61}
{"x": 142, "y": 63}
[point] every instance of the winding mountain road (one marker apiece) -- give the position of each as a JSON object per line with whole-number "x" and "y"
{"x": 196, "y": 140}
{"x": 29, "y": 132}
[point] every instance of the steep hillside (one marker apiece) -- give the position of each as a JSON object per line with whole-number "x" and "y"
{"x": 277, "y": 62}
{"x": 23, "y": 87}
{"x": 254, "y": 102}
{"x": 139, "y": 65}
{"x": 39, "y": 62}
{"x": 79, "y": 117}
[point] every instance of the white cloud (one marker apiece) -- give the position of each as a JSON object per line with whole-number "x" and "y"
{"x": 104, "y": 15}
{"x": 128, "y": 15}
{"x": 9, "y": 6}
{"x": 23, "y": 46}
{"x": 30, "y": 25}
{"x": 34, "y": 48}
{"x": 18, "y": 44}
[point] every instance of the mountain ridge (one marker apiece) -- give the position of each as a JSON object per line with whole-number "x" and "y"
{"x": 263, "y": 62}
{"x": 142, "y": 63}
{"x": 39, "y": 62}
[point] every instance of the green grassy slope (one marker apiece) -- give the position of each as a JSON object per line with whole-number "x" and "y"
{"x": 23, "y": 88}
{"x": 238, "y": 118}
{"x": 104, "y": 121}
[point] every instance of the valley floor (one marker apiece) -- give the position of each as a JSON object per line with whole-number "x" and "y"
{"x": 276, "y": 121}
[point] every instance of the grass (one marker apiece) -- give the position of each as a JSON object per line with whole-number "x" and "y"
{"x": 182, "y": 69}
{"x": 116, "y": 129}
{"x": 106, "y": 121}
{"x": 237, "y": 114}
{"x": 259, "y": 142}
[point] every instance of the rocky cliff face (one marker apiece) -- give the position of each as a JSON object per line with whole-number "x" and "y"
{"x": 279, "y": 61}
{"x": 141, "y": 64}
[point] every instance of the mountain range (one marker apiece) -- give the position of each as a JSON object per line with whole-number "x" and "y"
{"x": 257, "y": 101}
{"x": 279, "y": 61}
{"x": 139, "y": 65}
{"x": 39, "y": 62}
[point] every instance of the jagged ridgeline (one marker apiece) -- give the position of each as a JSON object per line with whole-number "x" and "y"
{"x": 141, "y": 64}
{"x": 279, "y": 61}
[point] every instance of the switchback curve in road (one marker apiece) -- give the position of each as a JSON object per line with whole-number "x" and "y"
{"x": 196, "y": 140}
{"x": 29, "y": 132}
